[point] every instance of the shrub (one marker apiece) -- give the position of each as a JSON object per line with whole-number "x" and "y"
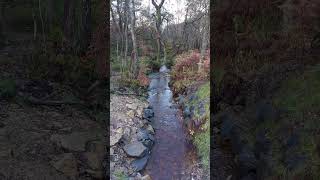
{"x": 185, "y": 70}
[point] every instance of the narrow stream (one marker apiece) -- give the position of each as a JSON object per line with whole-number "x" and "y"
{"x": 171, "y": 153}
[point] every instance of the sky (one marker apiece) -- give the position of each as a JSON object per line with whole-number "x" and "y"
{"x": 175, "y": 7}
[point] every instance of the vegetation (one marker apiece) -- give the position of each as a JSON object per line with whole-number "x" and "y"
{"x": 266, "y": 77}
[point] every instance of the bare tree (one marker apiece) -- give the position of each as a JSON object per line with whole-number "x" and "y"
{"x": 134, "y": 43}
{"x": 159, "y": 20}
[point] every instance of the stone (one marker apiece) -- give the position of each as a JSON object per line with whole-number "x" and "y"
{"x": 139, "y": 112}
{"x": 131, "y": 113}
{"x": 142, "y": 134}
{"x": 148, "y": 143}
{"x": 181, "y": 99}
{"x": 66, "y": 164}
{"x": 150, "y": 129}
{"x": 202, "y": 110}
{"x": 135, "y": 149}
{"x": 148, "y": 113}
{"x": 139, "y": 164}
{"x": 186, "y": 112}
{"x": 146, "y": 177}
{"x": 75, "y": 141}
{"x": 132, "y": 106}
{"x": 116, "y": 136}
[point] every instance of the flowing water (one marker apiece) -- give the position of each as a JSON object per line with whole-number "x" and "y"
{"x": 172, "y": 154}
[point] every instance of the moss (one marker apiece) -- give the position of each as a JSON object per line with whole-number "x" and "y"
{"x": 120, "y": 175}
{"x": 202, "y": 142}
{"x": 202, "y": 138}
{"x": 204, "y": 91}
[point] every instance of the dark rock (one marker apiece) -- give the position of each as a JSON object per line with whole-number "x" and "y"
{"x": 186, "y": 112}
{"x": 181, "y": 99}
{"x": 136, "y": 149}
{"x": 139, "y": 164}
{"x": 202, "y": 109}
{"x": 192, "y": 110}
{"x": 148, "y": 143}
{"x": 142, "y": 134}
{"x": 148, "y": 113}
{"x": 193, "y": 97}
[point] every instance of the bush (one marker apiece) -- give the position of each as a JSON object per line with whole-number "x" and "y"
{"x": 185, "y": 71}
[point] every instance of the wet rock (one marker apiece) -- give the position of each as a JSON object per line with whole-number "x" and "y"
{"x": 148, "y": 143}
{"x": 135, "y": 149}
{"x": 193, "y": 97}
{"x": 139, "y": 164}
{"x": 202, "y": 109}
{"x": 148, "y": 113}
{"x": 67, "y": 164}
{"x": 142, "y": 134}
{"x": 150, "y": 129}
{"x": 192, "y": 110}
{"x": 181, "y": 99}
{"x": 186, "y": 112}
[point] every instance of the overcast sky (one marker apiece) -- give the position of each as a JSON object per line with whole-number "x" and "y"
{"x": 175, "y": 7}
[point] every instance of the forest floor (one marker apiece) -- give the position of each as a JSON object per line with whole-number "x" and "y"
{"x": 46, "y": 130}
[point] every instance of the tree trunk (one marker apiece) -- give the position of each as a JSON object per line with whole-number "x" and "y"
{"x": 134, "y": 43}
{"x": 158, "y": 26}
{"x": 203, "y": 44}
{"x": 126, "y": 33}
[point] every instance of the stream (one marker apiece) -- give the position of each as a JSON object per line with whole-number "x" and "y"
{"x": 172, "y": 153}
